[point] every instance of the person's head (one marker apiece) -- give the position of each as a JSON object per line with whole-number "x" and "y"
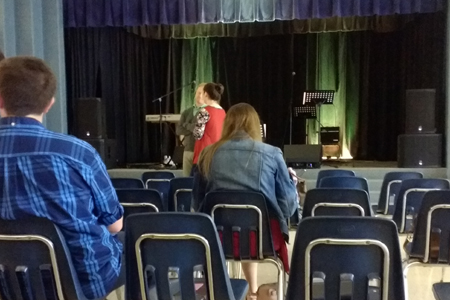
{"x": 240, "y": 118}
{"x": 267, "y": 291}
{"x": 212, "y": 92}
{"x": 198, "y": 95}
{"x": 27, "y": 87}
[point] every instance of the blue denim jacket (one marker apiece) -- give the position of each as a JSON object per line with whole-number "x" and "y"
{"x": 245, "y": 164}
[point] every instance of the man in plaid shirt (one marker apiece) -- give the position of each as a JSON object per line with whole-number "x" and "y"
{"x": 56, "y": 176}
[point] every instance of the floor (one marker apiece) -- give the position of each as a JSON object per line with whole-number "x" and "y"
{"x": 420, "y": 279}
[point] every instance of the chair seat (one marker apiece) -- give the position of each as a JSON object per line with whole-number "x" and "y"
{"x": 441, "y": 291}
{"x": 240, "y": 288}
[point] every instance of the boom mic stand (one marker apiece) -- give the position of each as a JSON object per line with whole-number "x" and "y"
{"x": 159, "y": 99}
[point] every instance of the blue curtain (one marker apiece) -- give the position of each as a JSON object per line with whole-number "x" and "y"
{"x": 119, "y": 13}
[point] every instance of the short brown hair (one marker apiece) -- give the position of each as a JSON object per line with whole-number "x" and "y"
{"x": 27, "y": 85}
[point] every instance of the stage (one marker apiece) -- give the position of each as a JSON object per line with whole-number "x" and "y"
{"x": 373, "y": 171}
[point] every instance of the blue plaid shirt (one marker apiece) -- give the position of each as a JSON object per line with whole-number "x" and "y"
{"x": 61, "y": 178}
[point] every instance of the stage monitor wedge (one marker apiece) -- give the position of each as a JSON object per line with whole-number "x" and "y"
{"x": 303, "y": 156}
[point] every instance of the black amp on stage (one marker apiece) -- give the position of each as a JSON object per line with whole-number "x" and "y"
{"x": 303, "y": 156}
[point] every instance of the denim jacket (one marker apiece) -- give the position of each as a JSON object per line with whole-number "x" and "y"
{"x": 245, "y": 164}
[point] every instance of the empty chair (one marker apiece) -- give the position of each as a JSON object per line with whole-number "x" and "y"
{"x": 177, "y": 254}
{"x": 127, "y": 183}
{"x": 180, "y": 193}
{"x": 409, "y": 200}
{"x": 348, "y": 182}
{"x": 333, "y": 173}
{"x": 242, "y": 220}
{"x": 346, "y": 258}
{"x": 157, "y": 175}
{"x": 160, "y": 181}
{"x": 336, "y": 202}
{"x": 35, "y": 262}
{"x": 432, "y": 236}
{"x": 390, "y": 188}
{"x": 139, "y": 201}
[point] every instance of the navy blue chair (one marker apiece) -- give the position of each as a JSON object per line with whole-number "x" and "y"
{"x": 390, "y": 188}
{"x": 163, "y": 255}
{"x": 160, "y": 181}
{"x": 336, "y": 202}
{"x": 409, "y": 200}
{"x": 35, "y": 262}
{"x": 136, "y": 201}
{"x": 127, "y": 183}
{"x": 346, "y": 182}
{"x": 441, "y": 291}
{"x": 346, "y": 258}
{"x": 242, "y": 220}
{"x": 157, "y": 175}
{"x": 333, "y": 173}
{"x": 180, "y": 194}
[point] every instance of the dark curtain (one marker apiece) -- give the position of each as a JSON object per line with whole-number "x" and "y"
{"x": 127, "y": 72}
{"x": 412, "y": 58}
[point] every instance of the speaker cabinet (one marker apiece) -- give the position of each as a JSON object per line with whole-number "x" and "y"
{"x": 419, "y": 151}
{"x": 303, "y": 156}
{"x": 107, "y": 150}
{"x": 420, "y": 111}
{"x": 89, "y": 118}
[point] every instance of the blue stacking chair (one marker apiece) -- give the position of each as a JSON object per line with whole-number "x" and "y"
{"x": 429, "y": 246}
{"x": 136, "y": 201}
{"x": 390, "y": 188}
{"x": 163, "y": 255}
{"x": 336, "y": 202}
{"x": 333, "y": 173}
{"x": 244, "y": 213}
{"x": 35, "y": 262}
{"x": 180, "y": 194}
{"x": 347, "y": 182}
{"x": 160, "y": 181}
{"x": 409, "y": 200}
{"x": 127, "y": 183}
{"x": 346, "y": 258}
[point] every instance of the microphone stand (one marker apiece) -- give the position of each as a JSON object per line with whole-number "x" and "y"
{"x": 159, "y": 99}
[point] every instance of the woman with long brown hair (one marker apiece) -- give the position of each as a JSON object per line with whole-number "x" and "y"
{"x": 240, "y": 161}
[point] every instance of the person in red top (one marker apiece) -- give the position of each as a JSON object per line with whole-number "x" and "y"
{"x": 208, "y": 129}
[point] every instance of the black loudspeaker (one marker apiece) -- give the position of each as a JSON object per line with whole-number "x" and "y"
{"x": 419, "y": 151}
{"x": 89, "y": 118}
{"x": 420, "y": 111}
{"x": 329, "y": 135}
{"x": 107, "y": 150}
{"x": 303, "y": 156}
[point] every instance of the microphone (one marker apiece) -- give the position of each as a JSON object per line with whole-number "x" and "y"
{"x": 193, "y": 84}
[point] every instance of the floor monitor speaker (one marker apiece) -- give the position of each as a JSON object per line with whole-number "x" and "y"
{"x": 303, "y": 156}
{"x": 419, "y": 151}
{"x": 420, "y": 111}
{"x": 89, "y": 119}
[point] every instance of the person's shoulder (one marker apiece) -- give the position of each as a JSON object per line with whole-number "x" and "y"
{"x": 69, "y": 146}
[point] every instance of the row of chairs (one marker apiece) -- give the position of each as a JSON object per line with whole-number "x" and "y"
{"x": 184, "y": 254}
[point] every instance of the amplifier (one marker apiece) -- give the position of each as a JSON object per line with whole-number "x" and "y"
{"x": 303, "y": 156}
{"x": 329, "y": 135}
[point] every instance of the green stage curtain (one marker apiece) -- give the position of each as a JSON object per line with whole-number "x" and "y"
{"x": 334, "y": 64}
{"x": 196, "y": 65}
{"x": 375, "y": 23}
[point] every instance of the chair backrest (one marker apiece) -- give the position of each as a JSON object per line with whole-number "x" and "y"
{"x": 127, "y": 183}
{"x": 390, "y": 187}
{"x": 347, "y": 182}
{"x": 136, "y": 201}
{"x": 157, "y": 175}
{"x": 409, "y": 200}
{"x": 346, "y": 258}
{"x": 180, "y": 193}
{"x": 162, "y": 186}
{"x": 433, "y": 227}
{"x": 35, "y": 262}
{"x": 336, "y": 202}
{"x": 242, "y": 221}
{"x": 172, "y": 247}
{"x": 333, "y": 173}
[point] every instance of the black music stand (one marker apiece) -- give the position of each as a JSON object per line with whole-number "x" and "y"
{"x": 317, "y": 99}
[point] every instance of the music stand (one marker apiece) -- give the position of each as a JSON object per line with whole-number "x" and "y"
{"x": 306, "y": 111}
{"x": 318, "y": 98}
